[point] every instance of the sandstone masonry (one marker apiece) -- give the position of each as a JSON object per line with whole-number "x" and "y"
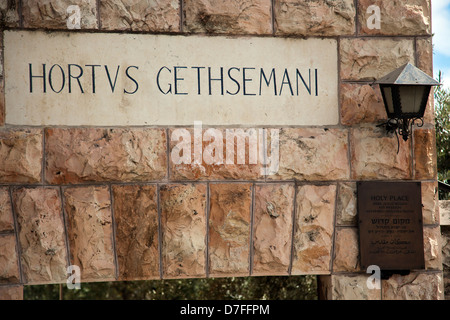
{"x": 112, "y": 201}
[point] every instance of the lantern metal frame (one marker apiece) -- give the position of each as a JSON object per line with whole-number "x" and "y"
{"x": 399, "y": 120}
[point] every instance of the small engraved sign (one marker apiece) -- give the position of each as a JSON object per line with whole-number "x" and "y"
{"x": 390, "y": 225}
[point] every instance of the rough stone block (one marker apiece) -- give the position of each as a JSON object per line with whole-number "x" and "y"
{"x": 361, "y": 103}
{"x": 324, "y": 287}
{"x": 346, "y": 250}
{"x": 425, "y": 162}
{"x": 349, "y": 287}
{"x": 346, "y": 207}
{"x": 76, "y": 155}
{"x": 136, "y": 218}
{"x": 89, "y": 228}
{"x": 430, "y": 202}
{"x": 58, "y": 14}
{"x": 41, "y": 234}
{"x": 415, "y": 286}
{"x": 444, "y": 212}
{"x": 272, "y": 236}
{"x": 424, "y": 51}
{"x": 183, "y": 225}
{"x": 432, "y": 244}
{"x": 6, "y": 217}
{"x": 321, "y": 18}
{"x": 147, "y": 15}
{"x": 230, "y": 17}
{"x": 447, "y": 285}
{"x": 11, "y": 292}
{"x": 424, "y": 54}
{"x": 217, "y": 160}
{"x": 429, "y": 115}
{"x": 314, "y": 227}
{"x": 20, "y": 155}
{"x": 312, "y": 154}
{"x": 9, "y": 13}
{"x": 9, "y": 267}
{"x": 371, "y": 59}
{"x": 229, "y": 229}
{"x": 412, "y": 17}
{"x": 374, "y": 155}
{"x": 445, "y": 247}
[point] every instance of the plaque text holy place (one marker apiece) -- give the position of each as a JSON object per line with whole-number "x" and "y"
{"x": 390, "y": 225}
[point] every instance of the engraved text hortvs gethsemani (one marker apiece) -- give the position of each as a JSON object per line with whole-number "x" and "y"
{"x": 135, "y": 79}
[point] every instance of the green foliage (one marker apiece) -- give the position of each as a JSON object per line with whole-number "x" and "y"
{"x": 442, "y": 106}
{"x": 245, "y": 288}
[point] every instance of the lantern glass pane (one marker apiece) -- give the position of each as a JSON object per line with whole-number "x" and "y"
{"x": 388, "y": 96}
{"x": 411, "y": 98}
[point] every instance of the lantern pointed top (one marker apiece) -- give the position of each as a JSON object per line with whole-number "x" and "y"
{"x": 408, "y": 75}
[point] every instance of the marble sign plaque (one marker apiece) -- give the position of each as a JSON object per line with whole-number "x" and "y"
{"x": 112, "y": 79}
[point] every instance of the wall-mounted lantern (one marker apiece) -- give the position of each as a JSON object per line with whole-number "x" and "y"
{"x": 405, "y": 94}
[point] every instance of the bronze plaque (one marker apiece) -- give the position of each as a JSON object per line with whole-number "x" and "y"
{"x": 390, "y": 225}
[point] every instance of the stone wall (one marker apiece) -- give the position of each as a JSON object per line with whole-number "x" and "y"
{"x": 111, "y": 201}
{"x": 444, "y": 211}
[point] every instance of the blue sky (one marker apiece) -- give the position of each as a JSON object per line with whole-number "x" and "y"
{"x": 441, "y": 39}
